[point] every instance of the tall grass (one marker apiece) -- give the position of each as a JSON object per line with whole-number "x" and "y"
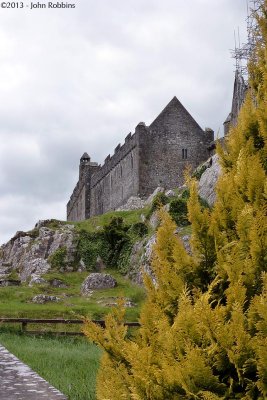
{"x": 69, "y": 364}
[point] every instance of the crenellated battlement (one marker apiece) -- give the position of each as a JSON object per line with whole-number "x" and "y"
{"x": 120, "y": 152}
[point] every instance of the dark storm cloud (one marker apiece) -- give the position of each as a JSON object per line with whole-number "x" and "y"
{"x": 71, "y": 80}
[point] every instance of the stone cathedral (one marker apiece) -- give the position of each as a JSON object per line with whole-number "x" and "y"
{"x": 154, "y": 155}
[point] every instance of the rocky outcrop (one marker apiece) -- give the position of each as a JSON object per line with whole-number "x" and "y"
{"x": 37, "y": 280}
{"x": 97, "y": 281}
{"x": 28, "y": 252}
{"x": 45, "y": 298}
{"x": 133, "y": 203}
{"x": 9, "y": 282}
{"x": 209, "y": 179}
{"x": 58, "y": 283}
{"x": 170, "y": 193}
{"x": 100, "y": 266}
{"x": 141, "y": 257}
{"x": 113, "y": 302}
{"x": 150, "y": 199}
{"x": 140, "y": 260}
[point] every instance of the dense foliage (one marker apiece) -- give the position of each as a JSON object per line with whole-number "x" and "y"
{"x": 113, "y": 243}
{"x": 203, "y": 328}
{"x": 178, "y": 211}
{"x": 159, "y": 200}
{"x": 57, "y": 259}
{"x": 90, "y": 246}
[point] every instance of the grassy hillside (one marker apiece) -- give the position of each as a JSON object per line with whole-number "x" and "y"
{"x": 110, "y": 236}
{"x": 16, "y": 301}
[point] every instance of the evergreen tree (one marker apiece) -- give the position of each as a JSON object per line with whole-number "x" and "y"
{"x": 203, "y": 331}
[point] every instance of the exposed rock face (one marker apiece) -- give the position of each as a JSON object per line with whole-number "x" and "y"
{"x": 133, "y": 203}
{"x": 151, "y": 197}
{"x": 28, "y": 253}
{"x": 37, "y": 280}
{"x": 44, "y": 298}
{"x": 113, "y": 302}
{"x": 170, "y": 193}
{"x": 154, "y": 220}
{"x": 9, "y": 282}
{"x": 82, "y": 266}
{"x": 100, "y": 265}
{"x": 5, "y": 270}
{"x": 141, "y": 257}
{"x": 140, "y": 260}
{"x": 208, "y": 181}
{"x": 57, "y": 283}
{"x": 97, "y": 281}
{"x": 186, "y": 242}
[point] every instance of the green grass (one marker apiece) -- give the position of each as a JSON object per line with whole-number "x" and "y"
{"x": 185, "y": 230}
{"x": 16, "y": 301}
{"x": 130, "y": 218}
{"x": 69, "y": 364}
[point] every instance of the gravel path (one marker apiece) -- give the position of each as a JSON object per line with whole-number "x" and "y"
{"x": 19, "y": 382}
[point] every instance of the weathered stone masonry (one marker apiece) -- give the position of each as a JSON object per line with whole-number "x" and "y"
{"x": 153, "y": 156}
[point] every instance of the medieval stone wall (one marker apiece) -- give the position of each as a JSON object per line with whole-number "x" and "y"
{"x": 76, "y": 205}
{"x": 118, "y": 178}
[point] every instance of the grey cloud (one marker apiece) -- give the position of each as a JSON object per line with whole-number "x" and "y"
{"x": 81, "y": 80}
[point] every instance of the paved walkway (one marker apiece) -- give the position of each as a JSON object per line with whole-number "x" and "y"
{"x": 19, "y": 382}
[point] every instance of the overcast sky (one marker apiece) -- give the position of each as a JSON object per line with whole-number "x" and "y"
{"x": 75, "y": 80}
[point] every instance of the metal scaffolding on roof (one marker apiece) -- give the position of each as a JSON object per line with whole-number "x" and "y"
{"x": 246, "y": 51}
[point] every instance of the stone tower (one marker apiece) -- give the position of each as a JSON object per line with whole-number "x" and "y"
{"x": 78, "y": 207}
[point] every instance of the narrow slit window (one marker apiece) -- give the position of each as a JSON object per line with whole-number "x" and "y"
{"x": 184, "y": 154}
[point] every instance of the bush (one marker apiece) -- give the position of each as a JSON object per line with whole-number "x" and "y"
{"x": 124, "y": 257}
{"x": 203, "y": 202}
{"x": 159, "y": 200}
{"x": 139, "y": 229}
{"x": 178, "y": 211}
{"x": 185, "y": 194}
{"x": 58, "y": 258}
{"x": 90, "y": 246}
{"x": 116, "y": 235}
{"x": 198, "y": 173}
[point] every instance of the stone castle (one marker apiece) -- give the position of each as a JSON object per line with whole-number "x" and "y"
{"x": 155, "y": 155}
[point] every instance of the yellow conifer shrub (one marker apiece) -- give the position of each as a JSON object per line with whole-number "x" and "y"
{"x": 203, "y": 331}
